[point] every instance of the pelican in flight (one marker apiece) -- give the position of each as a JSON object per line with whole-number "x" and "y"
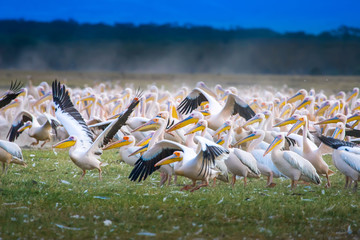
{"x": 291, "y": 164}
{"x": 196, "y": 166}
{"x": 10, "y": 153}
{"x": 84, "y": 151}
{"x": 218, "y": 114}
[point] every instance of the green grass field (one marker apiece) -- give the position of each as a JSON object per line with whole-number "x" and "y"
{"x": 46, "y": 200}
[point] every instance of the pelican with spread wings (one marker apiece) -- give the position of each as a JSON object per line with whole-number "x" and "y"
{"x": 195, "y": 166}
{"x": 218, "y": 114}
{"x": 85, "y": 151}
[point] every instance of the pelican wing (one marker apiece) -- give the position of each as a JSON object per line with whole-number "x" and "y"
{"x": 145, "y": 165}
{"x": 335, "y": 143}
{"x": 248, "y": 160}
{"x": 351, "y": 159}
{"x": 11, "y": 148}
{"x": 12, "y": 93}
{"x": 267, "y": 161}
{"x": 238, "y": 106}
{"x": 110, "y": 131}
{"x": 352, "y": 132}
{"x": 303, "y": 165}
{"x": 52, "y": 120}
{"x": 69, "y": 117}
{"x": 102, "y": 125}
{"x": 209, "y": 152}
{"x": 192, "y": 101}
{"x": 19, "y": 121}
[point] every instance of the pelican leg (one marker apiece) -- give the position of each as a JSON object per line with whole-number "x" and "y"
{"x": 293, "y": 184}
{"x": 3, "y": 167}
{"x": 82, "y": 176}
{"x": 169, "y": 180}
{"x": 328, "y": 181}
{"x": 175, "y": 179}
{"x": 203, "y": 184}
{"x": 164, "y": 177}
{"x": 6, "y": 169}
{"x": 214, "y": 183}
{"x": 100, "y": 174}
{"x": 42, "y": 145}
{"x": 346, "y": 181}
{"x": 270, "y": 183}
{"x": 35, "y": 143}
{"x": 245, "y": 181}
{"x": 233, "y": 180}
{"x": 355, "y": 186}
{"x": 187, "y": 187}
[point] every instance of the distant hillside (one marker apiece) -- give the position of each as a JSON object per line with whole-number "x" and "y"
{"x": 68, "y": 45}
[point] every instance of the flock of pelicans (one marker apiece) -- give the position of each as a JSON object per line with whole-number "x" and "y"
{"x": 202, "y": 134}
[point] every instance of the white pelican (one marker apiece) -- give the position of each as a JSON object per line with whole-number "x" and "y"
{"x": 126, "y": 146}
{"x": 84, "y": 151}
{"x": 346, "y": 158}
{"x": 41, "y": 132}
{"x": 291, "y": 164}
{"x": 313, "y": 156}
{"x": 239, "y": 162}
{"x": 264, "y": 163}
{"x": 200, "y": 166}
{"x": 218, "y": 114}
{"x": 10, "y": 153}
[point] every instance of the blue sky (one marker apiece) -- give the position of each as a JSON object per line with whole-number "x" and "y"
{"x": 282, "y": 15}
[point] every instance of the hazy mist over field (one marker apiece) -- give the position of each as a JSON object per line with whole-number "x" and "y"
{"x": 68, "y": 45}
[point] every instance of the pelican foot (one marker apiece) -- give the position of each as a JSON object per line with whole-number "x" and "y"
{"x": 271, "y": 185}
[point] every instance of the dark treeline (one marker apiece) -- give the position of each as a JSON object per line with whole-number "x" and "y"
{"x": 68, "y": 45}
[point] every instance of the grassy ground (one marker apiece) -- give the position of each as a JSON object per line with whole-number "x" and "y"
{"x": 46, "y": 200}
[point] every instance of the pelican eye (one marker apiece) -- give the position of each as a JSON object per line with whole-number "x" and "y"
{"x": 126, "y": 138}
{"x": 177, "y": 154}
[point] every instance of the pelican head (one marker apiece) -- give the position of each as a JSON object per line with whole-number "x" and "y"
{"x": 338, "y": 130}
{"x": 291, "y": 120}
{"x": 222, "y": 128}
{"x": 127, "y": 140}
{"x": 338, "y": 118}
{"x": 300, "y": 95}
{"x": 286, "y": 110}
{"x": 221, "y": 140}
{"x": 323, "y": 108}
{"x": 301, "y": 122}
{"x": 140, "y": 150}
{"x": 254, "y": 135}
{"x": 13, "y": 104}
{"x": 199, "y": 126}
{"x": 205, "y": 112}
{"x": 257, "y": 118}
{"x": 340, "y": 95}
{"x": 150, "y": 125}
{"x": 177, "y": 156}
{"x": 277, "y": 140}
{"x": 66, "y": 143}
{"x": 304, "y": 103}
{"x": 354, "y": 117}
{"x": 354, "y": 93}
{"x": 28, "y": 124}
{"x": 192, "y": 118}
